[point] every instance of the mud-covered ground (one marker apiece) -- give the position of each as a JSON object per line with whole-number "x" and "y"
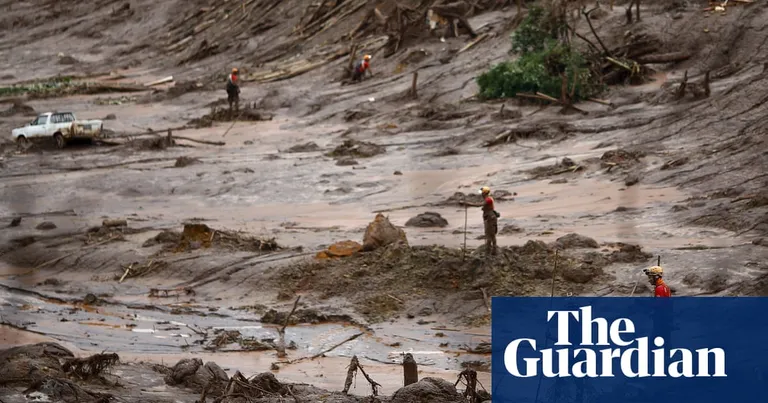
{"x": 314, "y": 160}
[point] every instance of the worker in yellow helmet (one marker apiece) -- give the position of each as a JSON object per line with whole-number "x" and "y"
{"x": 490, "y": 219}
{"x": 361, "y": 67}
{"x": 233, "y": 89}
{"x": 654, "y": 277}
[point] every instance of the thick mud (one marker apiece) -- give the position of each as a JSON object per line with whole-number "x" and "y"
{"x": 314, "y": 160}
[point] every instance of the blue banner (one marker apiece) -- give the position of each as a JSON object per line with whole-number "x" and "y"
{"x": 629, "y": 350}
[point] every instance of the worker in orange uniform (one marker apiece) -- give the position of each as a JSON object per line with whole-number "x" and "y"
{"x": 361, "y": 67}
{"x": 654, "y": 276}
{"x": 490, "y": 219}
{"x": 233, "y": 89}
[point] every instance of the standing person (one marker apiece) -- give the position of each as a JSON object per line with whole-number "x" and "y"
{"x": 490, "y": 219}
{"x": 361, "y": 67}
{"x": 233, "y": 90}
{"x": 654, "y": 277}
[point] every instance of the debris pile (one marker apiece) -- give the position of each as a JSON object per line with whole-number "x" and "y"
{"x": 565, "y": 165}
{"x": 247, "y": 112}
{"x": 93, "y": 366}
{"x": 375, "y": 281}
{"x": 191, "y": 373}
{"x": 356, "y": 149}
{"x": 196, "y": 235}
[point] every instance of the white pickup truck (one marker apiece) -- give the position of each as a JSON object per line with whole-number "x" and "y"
{"x": 61, "y": 126}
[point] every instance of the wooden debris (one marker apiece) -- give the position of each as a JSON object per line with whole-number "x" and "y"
{"x": 160, "y": 81}
{"x": 114, "y": 223}
{"x": 474, "y": 42}
{"x": 92, "y": 366}
{"x": 354, "y": 366}
{"x": 413, "y": 93}
{"x": 281, "y": 343}
{"x": 170, "y": 292}
{"x": 671, "y": 57}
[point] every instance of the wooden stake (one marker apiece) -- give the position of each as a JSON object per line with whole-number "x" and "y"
{"x": 554, "y": 272}
{"x": 413, "y": 84}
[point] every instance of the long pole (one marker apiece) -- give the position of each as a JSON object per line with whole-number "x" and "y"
{"x": 546, "y": 335}
{"x": 464, "y": 250}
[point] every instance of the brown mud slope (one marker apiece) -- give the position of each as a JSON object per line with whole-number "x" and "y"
{"x": 680, "y": 176}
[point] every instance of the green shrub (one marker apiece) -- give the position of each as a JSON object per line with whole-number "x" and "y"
{"x": 540, "y": 71}
{"x": 543, "y": 59}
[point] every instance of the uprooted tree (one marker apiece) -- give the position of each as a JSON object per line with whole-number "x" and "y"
{"x": 556, "y": 63}
{"x": 548, "y": 63}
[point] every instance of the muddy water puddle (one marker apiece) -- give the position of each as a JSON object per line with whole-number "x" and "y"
{"x": 166, "y": 331}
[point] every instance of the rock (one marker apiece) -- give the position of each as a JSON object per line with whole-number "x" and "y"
{"x": 398, "y": 173}
{"x": 381, "y": 232}
{"x": 572, "y": 240}
{"x": 581, "y": 274}
{"x": 631, "y": 180}
{"x": 111, "y": 116}
{"x": 304, "y": 148}
{"x": 90, "y": 299}
{"x": 46, "y": 225}
{"x": 760, "y": 242}
{"x": 427, "y": 220}
{"x": 248, "y": 142}
{"x": 340, "y": 249}
{"x": 185, "y": 161}
{"x": 510, "y": 229}
{"x": 428, "y": 390}
{"x": 678, "y": 208}
{"x": 567, "y": 162}
{"x": 558, "y": 181}
{"x": 15, "y": 222}
{"x": 346, "y": 162}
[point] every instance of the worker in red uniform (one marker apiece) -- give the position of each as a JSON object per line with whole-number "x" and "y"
{"x": 361, "y": 67}
{"x": 233, "y": 90}
{"x": 654, "y": 277}
{"x": 490, "y": 219}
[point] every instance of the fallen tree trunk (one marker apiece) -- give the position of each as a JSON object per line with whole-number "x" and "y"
{"x": 664, "y": 57}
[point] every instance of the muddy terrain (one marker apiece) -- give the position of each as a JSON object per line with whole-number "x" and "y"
{"x": 251, "y": 255}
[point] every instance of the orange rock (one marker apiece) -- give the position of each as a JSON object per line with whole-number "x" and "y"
{"x": 340, "y": 249}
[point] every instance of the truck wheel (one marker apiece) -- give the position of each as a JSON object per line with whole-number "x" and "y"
{"x": 23, "y": 142}
{"x": 60, "y": 142}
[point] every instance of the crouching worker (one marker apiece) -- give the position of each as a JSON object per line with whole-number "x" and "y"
{"x": 361, "y": 67}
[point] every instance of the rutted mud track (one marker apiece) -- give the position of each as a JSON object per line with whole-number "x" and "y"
{"x": 683, "y": 179}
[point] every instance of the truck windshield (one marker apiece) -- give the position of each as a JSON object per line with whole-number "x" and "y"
{"x": 40, "y": 120}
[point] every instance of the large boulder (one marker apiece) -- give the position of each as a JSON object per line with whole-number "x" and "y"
{"x": 575, "y": 241}
{"x": 191, "y": 373}
{"x": 428, "y": 390}
{"x": 426, "y": 220}
{"x": 382, "y": 232}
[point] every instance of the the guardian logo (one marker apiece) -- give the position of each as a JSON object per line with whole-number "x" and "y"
{"x": 623, "y": 353}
